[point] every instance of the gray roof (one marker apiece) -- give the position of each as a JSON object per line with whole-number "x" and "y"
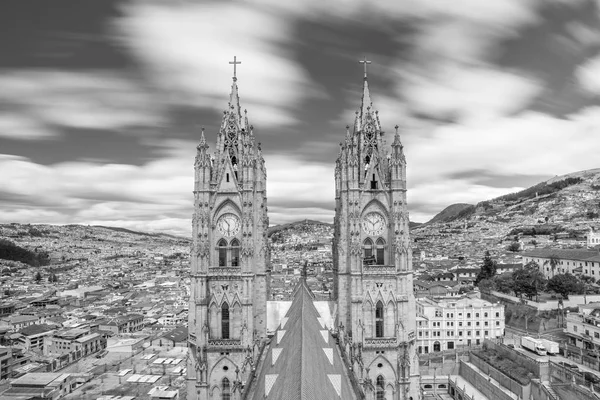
{"x": 302, "y": 361}
{"x": 564, "y": 254}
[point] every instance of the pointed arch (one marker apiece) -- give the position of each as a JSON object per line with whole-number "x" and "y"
{"x": 223, "y": 208}
{"x": 380, "y": 388}
{"x": 376, "y": 205}
{"x": 220, "y": 363}
{"x": 379, "y": 319}
{"x": 225, "y": 320}
{"x": 386, "y": 369}
{"x": 225, "y": 389}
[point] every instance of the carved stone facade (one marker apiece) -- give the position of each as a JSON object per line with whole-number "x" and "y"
{"x": 229, "y": 259}
{"x": 373, "y": 283}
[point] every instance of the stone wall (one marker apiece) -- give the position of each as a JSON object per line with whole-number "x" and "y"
{"x": 482, "y": 384}
{"x": 540, "y": 369}
{"x": 503, "y": 379}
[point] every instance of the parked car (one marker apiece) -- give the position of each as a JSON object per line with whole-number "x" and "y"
{"x": 589, "y": 377}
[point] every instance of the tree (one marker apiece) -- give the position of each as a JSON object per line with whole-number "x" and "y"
{"x": 528, "y": 281}
{"x": 504, "y": 283}
{"x": 38, "y": 277}
{"x": 553, "y": 261}
{"x": 514, "y": 247}
{"x": 565, "y": 284}
{"x": 487, "y": 285}
{"x": 488, "y": 269}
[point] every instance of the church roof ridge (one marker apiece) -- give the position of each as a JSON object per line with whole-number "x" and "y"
{"x": 307, "y": 364}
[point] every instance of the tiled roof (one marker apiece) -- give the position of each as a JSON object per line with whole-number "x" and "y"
{"x": 564, "y": 254}
{"x": 302, "y": 360}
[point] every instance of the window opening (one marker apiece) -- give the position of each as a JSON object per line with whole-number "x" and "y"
{"x": 225, "y": 321}
{"x": 379, "y": 319}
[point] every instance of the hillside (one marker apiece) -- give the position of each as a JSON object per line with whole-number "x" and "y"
{"x": 453, "y": 212}
{"x": 304, "y": 225}
{"x": 67, "y": 246}
{"x": 564, "y": 206}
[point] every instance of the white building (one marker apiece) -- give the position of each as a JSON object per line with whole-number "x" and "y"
{"x": 593, "y": 238}
{"x": 448, "y": 323}
{"x": 572, "y": 261}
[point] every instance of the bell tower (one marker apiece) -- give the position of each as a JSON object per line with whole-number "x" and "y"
{"x": 373, "y": 283}
{"x": 229, "y": 259}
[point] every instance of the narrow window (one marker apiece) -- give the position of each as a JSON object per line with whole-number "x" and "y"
{"x": 222, "y": 253}
{"x": 373, "y": 183}
{"x": 226, "y": 390}
{"x": 379, "y": 319}
{"x": 227, "y": 177}
{"x": 369, "y": 259}
{"x": 235, "y": 253}
{"x": 380, "y": 251}
{"x": 225, "y": 321}
{"x": 380, "y": 388}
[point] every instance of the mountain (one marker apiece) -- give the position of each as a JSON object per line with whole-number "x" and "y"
{"x": 566, "y": 205}
{"x": 452, "y": 212}
{"x": 304, "y": 225}
{"x": 69, "y": 245}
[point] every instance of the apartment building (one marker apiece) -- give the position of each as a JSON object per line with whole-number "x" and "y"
{"x": 446, "y": 324}
{"x": 5, "y": 362}
{"x": 124, "y": 324}
{"x": 583, "y": 328}
{"x": 78, "y": 342}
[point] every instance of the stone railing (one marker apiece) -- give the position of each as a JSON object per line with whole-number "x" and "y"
{"x": 225, "y": 343}
{"x": 379, "y": 269}
{"x": 382, "y": 342}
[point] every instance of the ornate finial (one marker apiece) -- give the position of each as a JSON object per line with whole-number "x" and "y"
{"x": 251, "y": 127}
{"x": 235, "y": 63}
{"x": 347, "y": 127}
{"x": 396, "y": 128}
{"x": 245, "y": 111}
{"x": 365, "y": 62}
{"x": 356, "y": 112}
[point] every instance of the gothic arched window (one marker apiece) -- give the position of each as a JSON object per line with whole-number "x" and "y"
{"x": 225, "y": 389}
{"x": 368, "y": 251}
{"x": 235, "y": 253}
{"x": 222, "y": 252}
{"x": 380, "y": 388}
{"x": 225, "y": 321}
{"x": 380, "y": 251}
{"x": 379, "y": 319}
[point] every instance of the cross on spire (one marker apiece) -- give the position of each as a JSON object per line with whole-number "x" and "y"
{"x": 235, "y": 63}
{"x": 365, "y": 62}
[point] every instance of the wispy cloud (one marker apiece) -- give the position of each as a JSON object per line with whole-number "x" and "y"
{"x": 186, "y": 47}
{"x": 39, "y": 102}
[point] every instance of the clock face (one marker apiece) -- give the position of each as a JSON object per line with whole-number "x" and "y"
{"x": 228, "y": 225}
{"x": 373, "y": 224}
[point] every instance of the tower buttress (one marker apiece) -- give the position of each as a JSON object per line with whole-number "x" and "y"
{"x": 229, "y": 259}
{"x": 372, "y": 258}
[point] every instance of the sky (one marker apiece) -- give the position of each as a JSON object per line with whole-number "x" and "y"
{"x": 102, "y": 102}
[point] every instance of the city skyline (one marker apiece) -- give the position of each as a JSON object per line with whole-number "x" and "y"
{"x": 103, "y": 103}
